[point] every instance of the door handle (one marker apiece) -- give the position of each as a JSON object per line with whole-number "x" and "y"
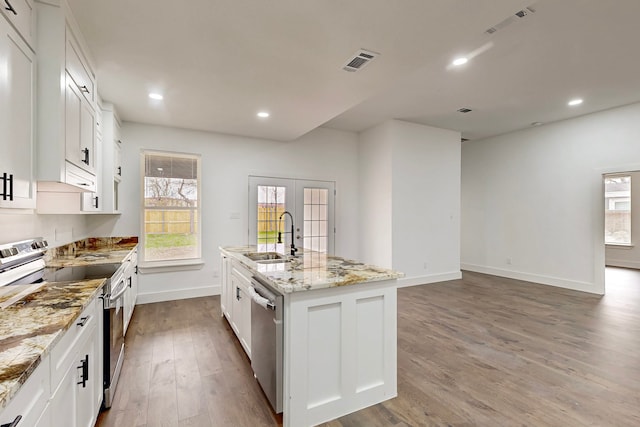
{"x": 10, "y": 8}
{"x": 7, "y": 188}
{"x": 86, "y": 156}
{"x": 14, "y": 423}
{"x": 84, "y": 375}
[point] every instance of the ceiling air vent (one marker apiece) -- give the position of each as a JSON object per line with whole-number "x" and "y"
{"x": 359, "y": 60}
{"x": 464, "y": 110}
{"x": 510, "y": 20}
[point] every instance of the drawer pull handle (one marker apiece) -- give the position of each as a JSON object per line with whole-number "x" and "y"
{"x": 119, "y": 170}
{"x": 84, "y": 375}
{"x": 83, "y": 321}
{"x": 12, "y": 10}
{"x": 96, "y": 199}
{"x": 84, "y": 88}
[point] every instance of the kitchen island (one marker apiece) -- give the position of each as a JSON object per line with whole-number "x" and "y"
{"x": 339, "y": 328}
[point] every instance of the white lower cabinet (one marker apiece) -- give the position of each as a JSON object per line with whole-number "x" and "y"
{"x": 76, "y": 372}
{"x": 238, "y": 302}
{"x": 66, "y": 388}
{"x": 226, "y": 292}
{"x": 31, "y": 401}
{"x": 131, "y": 294}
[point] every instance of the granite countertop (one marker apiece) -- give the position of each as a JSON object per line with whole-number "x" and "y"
{"x": 91, "y": 251}
{"x": 310, "y": 270}
{"x": 31, "y": 327}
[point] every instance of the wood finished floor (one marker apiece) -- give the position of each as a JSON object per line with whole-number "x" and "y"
{"x": 480, "y": 351}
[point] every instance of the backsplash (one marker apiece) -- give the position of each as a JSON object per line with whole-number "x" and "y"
{"x": 56, "y": 229}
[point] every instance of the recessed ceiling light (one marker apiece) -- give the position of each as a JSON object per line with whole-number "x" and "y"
{"x": 575, "y": 102}
{"x": 156, "y": 96}
{"x": 263, "y": 114}
{"x": 460, "y": 61}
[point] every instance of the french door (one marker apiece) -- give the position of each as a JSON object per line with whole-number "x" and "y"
{"x": 311, "y": 205}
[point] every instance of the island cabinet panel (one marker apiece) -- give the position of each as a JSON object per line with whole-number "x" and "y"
{"x": 340, "y": 351}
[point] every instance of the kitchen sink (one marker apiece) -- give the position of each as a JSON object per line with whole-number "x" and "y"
{"x": 266, "y": 256}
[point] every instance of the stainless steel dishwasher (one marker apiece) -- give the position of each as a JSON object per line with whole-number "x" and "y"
{"x": 267, "y": 340}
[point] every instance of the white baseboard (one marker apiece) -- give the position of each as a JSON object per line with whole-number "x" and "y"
{"x": 535, "y": 278}
{"x": 431, "y": 278}
{"x": 624, "y": 263}
{"x": 202, "y": 291}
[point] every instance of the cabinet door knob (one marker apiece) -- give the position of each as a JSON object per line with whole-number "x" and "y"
{"x": 14, "y": 423}
{"x": 83, "y": 321}
{"x": 10, "y": 8}
{"x": 119, "y": 170}
{"x": 84, "y": 88}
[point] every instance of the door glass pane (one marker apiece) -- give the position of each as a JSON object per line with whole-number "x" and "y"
{"x": 617, "y": 209}
{"x": 271, "y": 204}
{"x": 315, "y": 219}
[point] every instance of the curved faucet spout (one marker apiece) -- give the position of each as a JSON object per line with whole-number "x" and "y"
{"x": 293, "y": 246}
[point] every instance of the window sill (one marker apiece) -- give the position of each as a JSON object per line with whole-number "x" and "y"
{"x": 170, "y": 266}
{"x": 619, "y": 245}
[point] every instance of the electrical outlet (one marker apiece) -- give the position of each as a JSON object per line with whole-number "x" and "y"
{"x": 216, "y": 274}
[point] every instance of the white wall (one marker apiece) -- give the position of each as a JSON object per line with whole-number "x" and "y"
{"x": 410, "y": 200}
{"x": 56, "y": 229}
{"x": 629, "y": 256}
{"x": 532, "y": 200}
{"x": 426, "y": 202}
{"x": 227, "y": 161}
{"x": 375, "y": 198}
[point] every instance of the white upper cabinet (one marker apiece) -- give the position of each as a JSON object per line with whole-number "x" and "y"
{"x": 21, "y": 16}
{"x": 111, "y": 167}
{"x": 66, "y": 121}
{"x": 17, "y": 189}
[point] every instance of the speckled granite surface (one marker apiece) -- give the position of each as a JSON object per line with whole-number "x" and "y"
{"x": 311, "y": 270}
{"x": 31, "y": 327}
{"x": 91, "y": 251}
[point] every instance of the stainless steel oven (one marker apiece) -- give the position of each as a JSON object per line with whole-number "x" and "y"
{"x": 113, "y": 298}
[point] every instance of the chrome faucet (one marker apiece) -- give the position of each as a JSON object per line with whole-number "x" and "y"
{"x": 293, "y": 246}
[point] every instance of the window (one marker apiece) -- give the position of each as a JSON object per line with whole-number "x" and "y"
{"x": 271, "y": 204}
{"x": 617, "y": 208}
{"x": 171, "y": 207}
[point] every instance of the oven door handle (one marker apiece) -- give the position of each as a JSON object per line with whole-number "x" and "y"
{"x": 115, "y": 297}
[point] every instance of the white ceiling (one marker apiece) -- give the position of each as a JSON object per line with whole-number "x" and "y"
{"x": 219, "y": 62}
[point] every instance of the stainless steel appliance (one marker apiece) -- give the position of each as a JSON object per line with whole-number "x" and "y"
{"x": 22, "y": 263}
{"x": 267, "y": 340}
